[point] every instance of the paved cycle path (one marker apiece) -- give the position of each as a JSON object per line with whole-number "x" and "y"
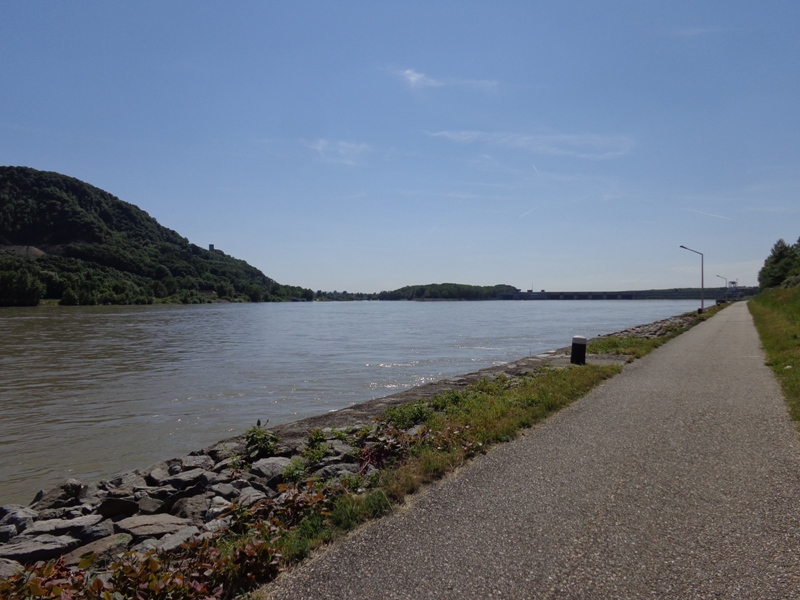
{"x": 679, "y": 478}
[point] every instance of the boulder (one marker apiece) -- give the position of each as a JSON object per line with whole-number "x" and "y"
{"x": 8, "y": 509}
{"x": 336, "y": 470}
{"x": 159, "y": 493}
{"x": 339, "y": 447}
{"x": 158, "y": 475}
{"x": 271, "y": 469}
{"x": 7, "y": 532}
{"x": 143, "y": 526}
{"x": 66, "y": 494}
{"x": 193, "y": 508}
{"x": 113, "y": 507}
{"x": 111, "y": 544}
{"x": 227, "y": 464}
{"x": 82, "y": 528}
{"x": 8, "y": 568}
{"x": 226, "y": 450}
{"x": 18, "y": 516}
{"x": 186, "y": 479}
{"x": 195, "y": 490}
{"x": 250, "y": 496}
{"x": 199, "y": 461}
{"x": 219, "y": 506}
{"x": 217, "y": 525}
{"x": 42, "y": 547}
{"x": 128, "y": 481}
{"x": 226, "y": 490}
{"x": 174, "y": 540}
{"x": 149, "y": 506}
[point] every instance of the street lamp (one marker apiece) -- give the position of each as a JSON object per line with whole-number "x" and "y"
{"x": 702, "y": 284}
{"x": 725, "y": 297}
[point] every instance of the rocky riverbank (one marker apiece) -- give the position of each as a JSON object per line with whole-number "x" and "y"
{"x": 171, "y": 502}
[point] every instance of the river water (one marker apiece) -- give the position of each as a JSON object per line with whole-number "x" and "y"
{"x": 89, "y": 392}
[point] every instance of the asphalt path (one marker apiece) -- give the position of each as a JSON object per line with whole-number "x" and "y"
{"x": 679, "y": 478}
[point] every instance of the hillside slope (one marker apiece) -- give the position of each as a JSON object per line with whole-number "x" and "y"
{"x": 61, "y": 238}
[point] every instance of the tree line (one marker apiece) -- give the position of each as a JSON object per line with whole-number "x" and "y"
{"x": 782, "y": 266}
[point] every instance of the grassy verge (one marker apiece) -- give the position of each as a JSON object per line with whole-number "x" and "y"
{"x": 636, "y": 347}
{"x": 408, "y": 446}
{"x": 776, "y": 313}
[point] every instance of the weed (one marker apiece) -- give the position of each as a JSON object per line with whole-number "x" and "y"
{"x": 314, "y": 454}
{"x": 260, "y": 442}
{"x": 295, "y": 471}
{"x": 316, "y": 437}
{"x": 406, "y": 416}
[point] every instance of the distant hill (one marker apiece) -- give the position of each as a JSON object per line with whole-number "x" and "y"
{"x": 61, "y": 238}
{"x": 447, "y": 291}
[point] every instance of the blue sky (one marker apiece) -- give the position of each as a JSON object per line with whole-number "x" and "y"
{"x": 364, "y": 146}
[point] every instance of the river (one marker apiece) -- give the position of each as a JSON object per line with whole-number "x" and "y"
{"x": 88, "y": 392}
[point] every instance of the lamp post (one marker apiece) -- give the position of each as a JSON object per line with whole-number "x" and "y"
{"x": 702, "y": 279}
{"x": 726, "y": 286}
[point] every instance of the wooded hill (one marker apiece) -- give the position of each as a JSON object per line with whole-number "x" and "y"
{"x": 447, "y": 291}
{"x": 61, "y": 238}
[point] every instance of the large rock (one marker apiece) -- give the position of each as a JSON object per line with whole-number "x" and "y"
{"x": 191, "y": 478}
{"x": 226, "y": 450}
{"x": 20, "y": 517}
{"x": 149, "y": 506}
{"x": 336, "y": 470}
{"x": 198, "y": 461}
{"x": 7, "y": 532}
{"x": 9, "y": 568}
{"x": 128, "y": 481}
{"x": 250, "y": 496}
{"x": 271, "y": 469}
{"x": 42, "y": 547}
{"x": 219, "y": 506}
{"x": 158, "y": 475}
{"x": 340, "y": 448}
{"x": 174, "y": 540}
{"x": 86, "y": 528}
{"x": 113, "y": 507}
{"x": 226, "y": 490}
{"x": 67, "y": 494}
{"x": 108, "y": 545}
{"x": 144, "y": 526}
{"x": 193, "y": 508}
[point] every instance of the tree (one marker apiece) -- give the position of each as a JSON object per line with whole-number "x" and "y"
{"x": 20, "y": 288}
{"x": 782, "y": 263}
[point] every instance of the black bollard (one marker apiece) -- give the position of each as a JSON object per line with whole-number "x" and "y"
{"x": 578, "y": 350}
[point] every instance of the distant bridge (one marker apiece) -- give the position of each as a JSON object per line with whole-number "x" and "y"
{"x": 668, "y": 294}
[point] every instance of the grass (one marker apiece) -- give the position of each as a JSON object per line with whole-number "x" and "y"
{"x": 776, "y": 313}
{"x": 636, "y": 347}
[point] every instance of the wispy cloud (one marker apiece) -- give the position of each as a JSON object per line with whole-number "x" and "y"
{"x": 700, "y": 212}
{"x": 418, "y": 80}
{"x": 593, "y": 147}
{"x": 345, "y": 153}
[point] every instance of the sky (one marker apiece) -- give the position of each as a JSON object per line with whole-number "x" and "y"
{"x": 367, "y": 145}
